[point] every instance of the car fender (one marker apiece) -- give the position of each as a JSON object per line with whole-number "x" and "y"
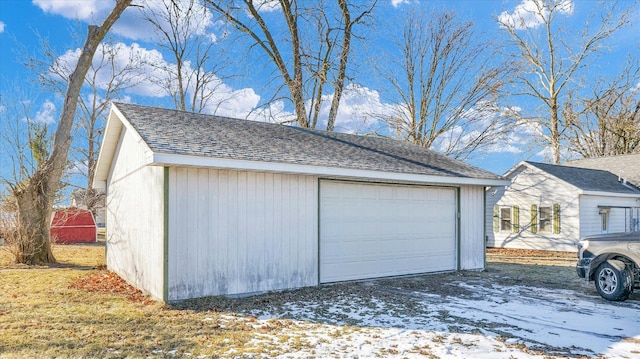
{"x": 595, "y": 263}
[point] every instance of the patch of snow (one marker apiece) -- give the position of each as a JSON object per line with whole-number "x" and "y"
{"x": 495, "y": 322}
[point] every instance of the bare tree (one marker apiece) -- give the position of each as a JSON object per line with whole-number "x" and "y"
{"x": 106, "y": 81}
{"x": 608, "y": 121}
{"x": 25, "y": 144}
{"x": 35, "y": 196}
{"x": 315, "y": 62}
{"x": 550, "y": 57}
{"x": 24, "y": 141}
{"x": 182, "y": 27}
{"x": 445, "y": 86}
{"x": 111, "y": 74}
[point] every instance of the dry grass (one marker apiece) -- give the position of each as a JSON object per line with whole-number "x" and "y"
{"x": 79, "y": 255}
{"x": 42, "y": 315}
{"x": 530, "y": 256}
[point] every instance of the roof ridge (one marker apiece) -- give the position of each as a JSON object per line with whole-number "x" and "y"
{"x": 177, "y": 132}
{"x": 329, "y": 133}
{"x": 572, "y": 167}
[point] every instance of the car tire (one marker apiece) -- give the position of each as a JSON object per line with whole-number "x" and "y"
{"x": 614, "y": 280}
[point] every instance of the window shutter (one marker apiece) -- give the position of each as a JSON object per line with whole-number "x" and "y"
{"x": 496, "y": 219}
{"x": 516, "y": 219}
{"x": 534, "y": 219}
{"x": 556, "y": 218}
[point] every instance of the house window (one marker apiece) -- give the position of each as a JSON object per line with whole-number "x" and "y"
{"x": 604, "y": 220}
{"x": 544, "y": 219}
{"x": 505, "y": 219}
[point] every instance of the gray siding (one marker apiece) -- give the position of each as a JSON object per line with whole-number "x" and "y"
{"x": 134, "y": 217}
{"x": 234, "y": 232}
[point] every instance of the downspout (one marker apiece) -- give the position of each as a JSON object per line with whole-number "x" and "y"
{"x": 165, "y": 237}
{"x": 318, "y": 219}
{"x": 458, "y": 235}
{"x": 484, "y": 228}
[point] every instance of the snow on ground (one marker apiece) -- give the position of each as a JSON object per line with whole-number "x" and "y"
{"x": 495, "y": 322}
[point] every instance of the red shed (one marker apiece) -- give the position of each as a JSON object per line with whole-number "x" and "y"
{"x": 73, "y": 225}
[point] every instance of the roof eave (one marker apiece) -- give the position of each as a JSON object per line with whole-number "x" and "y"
{"x": 162, "y": 159}
{"x": 110, "y": 139}
{"x": 610, "y": 194}
{"x": 116, "y": 121}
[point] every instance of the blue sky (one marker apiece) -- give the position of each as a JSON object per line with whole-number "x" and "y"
{"x": 22, "y": 20}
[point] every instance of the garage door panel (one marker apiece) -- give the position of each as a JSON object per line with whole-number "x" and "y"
{"x": 381, "y": 267}
{"x": 389, "y": 254}
{"x": 373, "y": 230}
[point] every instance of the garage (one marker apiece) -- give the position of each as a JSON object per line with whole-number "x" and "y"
{"x": 202, "y": 205}
{"x": 370, "y": 230}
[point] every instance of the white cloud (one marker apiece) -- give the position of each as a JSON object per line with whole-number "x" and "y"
{"x": 358, "y": 106}
{"x": 521, "y": 138}
{"x": 232, "y": 103}
{"x": 132, "y": 62}
{"x": 267, "y": 5}
{"x": 485, "y": 120}
{"x": 85, "y": 10}
{"x": 532, "y": 13}
{"x": 357, "y": 110}
{"x": 46, "y": 113}
{"x": 148, "y": 74}
{"x": 397, "y": 3}
{"x": 2, "y": 25}
{"x": 274, "y": 112}
{"x": 131, "y": 24}
{"x": 78, "y": 168}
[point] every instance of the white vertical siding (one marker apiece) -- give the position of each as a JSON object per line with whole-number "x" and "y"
{"x": 532, "y": 186}
{"x": 492, "y": 196}
{"x": 472, "y": 222}
{"x": 135, "y": 217}
{"x": 590, "y": 220}
{"x": 234, "y": 232}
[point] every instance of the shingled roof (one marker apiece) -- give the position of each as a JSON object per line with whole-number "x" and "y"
{"x": 184, "y": 133}
{"x": 625, "y": 166}
{"x": 587, "y": 179}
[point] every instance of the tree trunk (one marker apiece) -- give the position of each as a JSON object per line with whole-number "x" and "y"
{"x": 35, "y": 199}
{"x": 34, "y": 213}
{"x": 555, "y": 131}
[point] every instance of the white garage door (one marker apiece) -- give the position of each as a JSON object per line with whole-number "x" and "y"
{"x": 374, "y": 230}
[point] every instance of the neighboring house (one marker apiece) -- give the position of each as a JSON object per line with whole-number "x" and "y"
{"x": 81, "y": 198}
{"x": 550, "y": 207}
{"x": 201, "y": 205}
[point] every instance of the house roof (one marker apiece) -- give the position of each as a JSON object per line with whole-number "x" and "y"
{"x": 586, "y": 179}
{"x": 625, "y": 166}
{"x": 184, "y": 138}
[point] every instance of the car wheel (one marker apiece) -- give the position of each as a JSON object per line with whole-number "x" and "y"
{"x": 614, "y": 280}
